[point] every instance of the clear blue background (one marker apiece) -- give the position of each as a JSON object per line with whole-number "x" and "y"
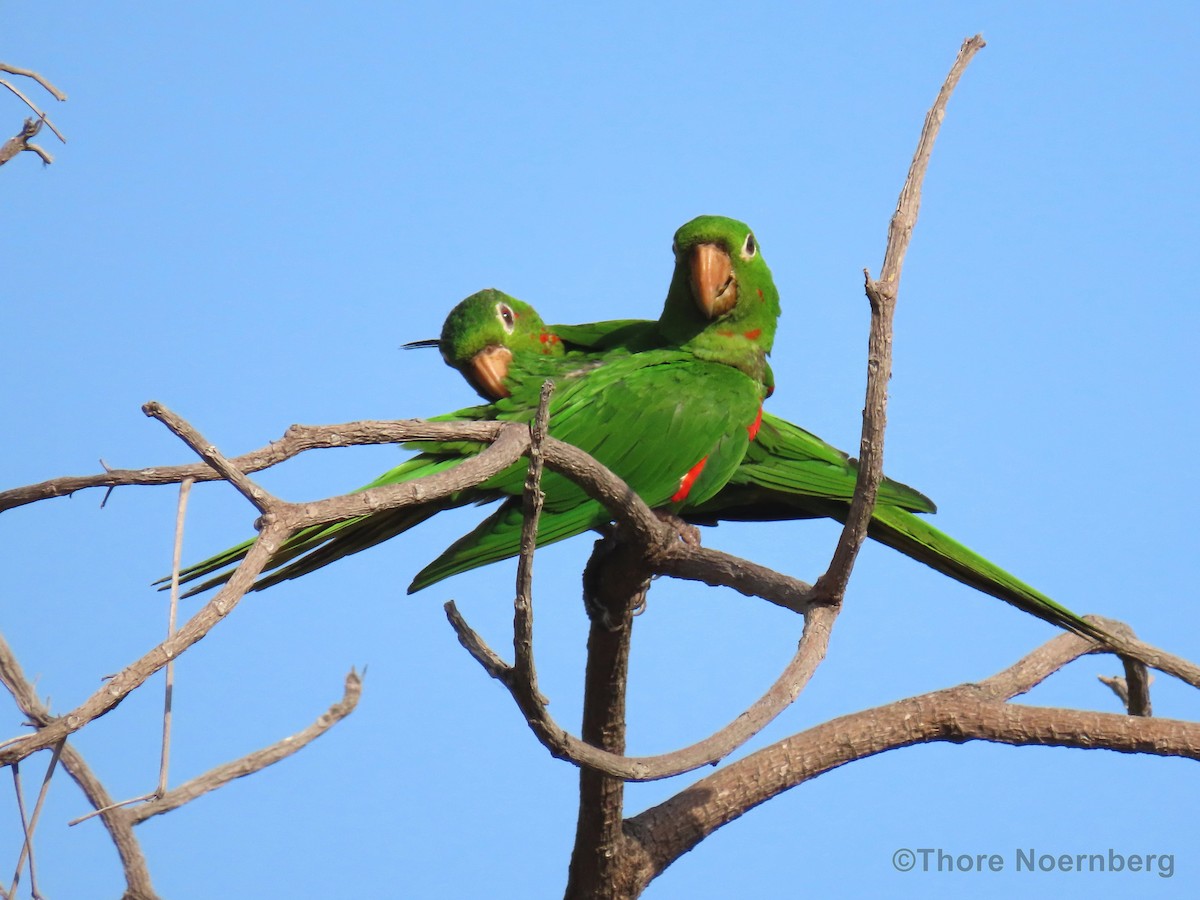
{"x": 260, "y": 202}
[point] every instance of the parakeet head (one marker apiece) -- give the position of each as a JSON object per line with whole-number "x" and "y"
{"x": 484, "y": 331}
{"x": 722, "y": 301}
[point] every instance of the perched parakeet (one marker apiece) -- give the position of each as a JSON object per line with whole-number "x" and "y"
{"x": 674, "y": 422}
{"x": 787, "y": 472}
{"x": 482, "y": 335}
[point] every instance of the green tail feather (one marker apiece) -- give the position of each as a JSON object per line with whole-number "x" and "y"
{"x": 499, "y": 537}
{"x": 787, "y": 458}
{"x": 916, "y": 538}
{"x": 320, "y": 545}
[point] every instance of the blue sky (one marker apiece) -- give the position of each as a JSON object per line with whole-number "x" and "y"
{"x": 260, "y": 202}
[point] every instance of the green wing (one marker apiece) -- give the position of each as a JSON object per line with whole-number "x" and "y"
{"x": 652, "y": 418}
{"x": 649, "y": 417}
{"x": 785, "y": 457}
{"x": 789, "y": 473}
{"x": 631, "y": 335}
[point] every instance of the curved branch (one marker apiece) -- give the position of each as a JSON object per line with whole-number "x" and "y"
{"x": 279, "y": 522}
{"x": 29, "y": 73}
{"x": 964, "y": 713}
{"x": 814, "y": 642}
{"x": 133, "y": 861}
{"x": 137, "y": 672}
{"x": 252, "y": 762}
{"x": 22, "y": 141}
{"x": 882, "y": 296}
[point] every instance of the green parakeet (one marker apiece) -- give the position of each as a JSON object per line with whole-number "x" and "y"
{"x": 674, "y": 423}
{"x": 787, "y": 472}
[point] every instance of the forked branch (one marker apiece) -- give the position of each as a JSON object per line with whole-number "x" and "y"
{"x": 21, "y": 141}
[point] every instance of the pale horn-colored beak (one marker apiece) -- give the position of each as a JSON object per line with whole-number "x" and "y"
{"x": 488, "y": 369}
{"x": 713, "y": 285}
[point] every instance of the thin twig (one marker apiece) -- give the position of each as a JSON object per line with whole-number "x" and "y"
{"x": 22, "y": 141}
{"x": 256, "y": 761}
{"x": 134, "y": 675}
{"x": 297, "y": 439}
{"x": 523, "y": 668}
{"x": 40, "y": 113}
{"x": 185, "y": 488}
{"x": 882, "y": 296}
{"x": 1138, "y": 703}
{"x": 27, "y": 847}
{"x": 29, "y": 73}
{"x": 28, "y": 836}
{"x": 708, "y": 751}
{"x": 112, "y": 807}
{"x": 137, "y": 875}
{"x": 210, "y": 454}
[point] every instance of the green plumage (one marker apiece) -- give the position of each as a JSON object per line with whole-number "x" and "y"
{"x": 686, "y": 409}
{"x": 789, "y": 473}
{"x": 652, "y": 418}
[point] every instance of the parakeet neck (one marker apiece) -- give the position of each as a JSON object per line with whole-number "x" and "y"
{"x": 731, "y": 349}
{"x": 741, "y": 339}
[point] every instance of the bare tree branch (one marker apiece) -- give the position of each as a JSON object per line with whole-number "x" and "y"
{"x": 21, "y": 142}
{"x": 297, "y": 439}
{"x": 612, "y": 856}
{"x": 563, "y": 745}
{"x": 31, "y": 825}
{"x": 615, "y": 582}
{"x": 40, "y": 114}
{"x": 882, "y": 296}
{"x": 211, "y": 455}
{"x": 133, "y": 861}
{"x": 253, "y": 762}
{"x": 967, "y": 712}
{"x": 185, "y": 490}
{"x": 136, "y": 674}
{"x": 28, "y": 73}
{"x": 524, "y": 672}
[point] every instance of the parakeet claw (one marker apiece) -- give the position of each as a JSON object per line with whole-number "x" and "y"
{"x": 687, "y": 532}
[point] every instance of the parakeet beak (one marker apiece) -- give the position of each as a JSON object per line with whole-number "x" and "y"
{"x": 713, "y": 284}
{"x": 488, "y": 369}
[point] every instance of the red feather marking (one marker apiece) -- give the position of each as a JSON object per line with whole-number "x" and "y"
{"x": 752, "y": 428}
{"x": 760, "y": 296}
{"x": 753, "y": 333}
{"x": 686, "y": 482}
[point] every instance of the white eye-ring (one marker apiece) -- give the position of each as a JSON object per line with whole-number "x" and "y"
{"x": 749, "y": 248}
{"x": 506, "y": 316}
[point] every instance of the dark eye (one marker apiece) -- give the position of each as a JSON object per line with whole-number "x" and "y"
{"x": 506, "y": 316}
{"x": 749, "y": 248}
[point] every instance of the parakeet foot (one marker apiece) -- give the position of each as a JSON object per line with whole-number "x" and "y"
{"x": 687, "y": 532}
